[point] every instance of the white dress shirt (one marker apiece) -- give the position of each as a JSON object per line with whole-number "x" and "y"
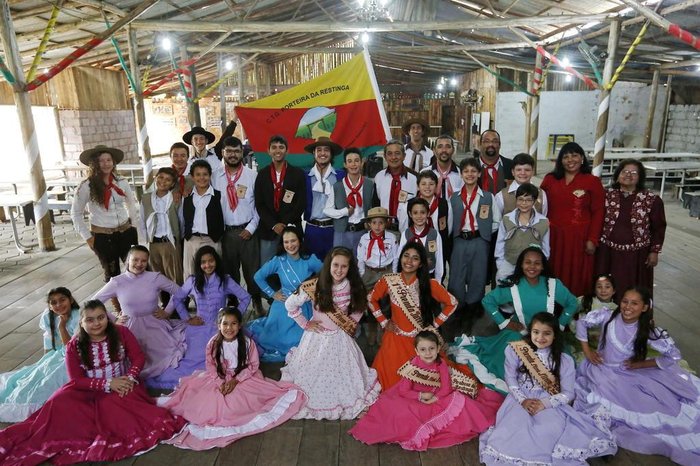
{"x": 330, "y": 210}
{"x": 245, "y": 210}
{"x": 382, "y": 184}
{"x": 377, "y": 259}
{"x": 495, "y": 212}
{"x": 422, "y": 160}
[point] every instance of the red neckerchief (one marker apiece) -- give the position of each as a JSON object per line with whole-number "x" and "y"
{"x": 492, "y": 172}
{"x": 418, "y": 237}
{"x": 108, "y": 191}
{"x": 468, "y": 207}
{"x": 433, "y": 208}
{"x": 379, "y": 239}
{"x": 181, "y": 178}
{"x": 444, "y": 180}
{"x": 394, "y": 194}
{"x": 354, "y": 198}
{"x": 277, "y": 184}
{"x": 231, "y": 188}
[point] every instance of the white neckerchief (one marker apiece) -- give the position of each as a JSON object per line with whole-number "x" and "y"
{"x": 151, "y": 220}
{"x": 320, "y": 184}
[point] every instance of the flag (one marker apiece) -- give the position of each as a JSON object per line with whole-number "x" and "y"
{"x": 343, "y": 104}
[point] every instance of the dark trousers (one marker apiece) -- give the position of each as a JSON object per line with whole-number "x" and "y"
{"x": 237, "y": 252}
{"x": 113, "y": 247}
{"x": 318, "y": 240}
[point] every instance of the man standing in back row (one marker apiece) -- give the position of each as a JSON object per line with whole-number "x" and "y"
{"x": 495, "y": 169}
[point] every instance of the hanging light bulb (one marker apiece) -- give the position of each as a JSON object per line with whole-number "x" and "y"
{"x": 440, "y": 86}
{"x": 166, "y": 43}
{"x": 364, "y": 38}
{"x": 453, "y": 82}
{"x": 565, "y": 62}
{"x": 228, "y": 65}
{"x": 568, "y": 78}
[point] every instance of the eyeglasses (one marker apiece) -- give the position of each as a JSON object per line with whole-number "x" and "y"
{"x": 233, "y": 151}
{"x": 630, "y": 172}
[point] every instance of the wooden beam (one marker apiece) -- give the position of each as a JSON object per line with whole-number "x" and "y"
{"x": 29, "y": 135}
{"x": 651, "y": 109}
{"x": 317, "y": 26}
{"x": 377, "y": 49}
{"x": 679, "y": 64}
{"x": 143, "y": 143}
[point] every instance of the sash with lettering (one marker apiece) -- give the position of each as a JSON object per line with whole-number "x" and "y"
{"x": 460, "y": 381}
{"x": 401, "y": 296}
{"x": 536, "y": 367}
{"x": 341, "y": 319}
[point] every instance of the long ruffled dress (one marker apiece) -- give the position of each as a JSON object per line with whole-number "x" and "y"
{"x": 84, "y": 420}
{"x": 25, "y": 390}
{"x": 486, "y": 355}
{"x": 277, "y": 333}
{"x": 654, "y": 410}
{"x": 556, "y": 435}
{"x": 209, "y": 301}
{"x": 255, "y": 405}
{"x": 398, "y": 416}
{"x": 328, "y": 365}
{"x": 162, "y": 340}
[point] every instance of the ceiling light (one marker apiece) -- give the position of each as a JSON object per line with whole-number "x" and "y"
{"x": 228, "y": 65}
{"x": 165, "y": 43}
{"x": 364, "y": 38}
{"x": 565, "y": 62}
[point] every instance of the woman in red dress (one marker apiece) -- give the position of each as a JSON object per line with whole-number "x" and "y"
{"x": 633, "y": 229}
{"x": 576, "y": 200}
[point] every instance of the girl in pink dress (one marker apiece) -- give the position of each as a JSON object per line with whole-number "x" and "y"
{"x": 103, "y": 413}
{"x": 230, "y": 399}
{"x": 421, "y": 412}
{"x": 328, "y": 365}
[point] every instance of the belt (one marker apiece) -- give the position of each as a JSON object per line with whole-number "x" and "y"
{"x": 320, "y": 223}
{"x": 199, "y": 234}
{"x": 355, "y": 227}
{"x": 163, "y": 239}
{"x": 379, "y": 269}
{"x": 469, "y": 235}
{"x": 108, "y": 231}
{"x": 236, "y": 227}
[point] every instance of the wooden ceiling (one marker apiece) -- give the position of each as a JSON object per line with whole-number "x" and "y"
{"x": 423, "y": 40}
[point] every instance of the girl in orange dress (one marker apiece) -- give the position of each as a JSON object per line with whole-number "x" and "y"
{"x": 417, "y": 303}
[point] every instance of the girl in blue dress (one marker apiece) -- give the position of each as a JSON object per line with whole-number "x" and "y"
{"x": 277, "y": 333}
{"x": 25, "y": 390}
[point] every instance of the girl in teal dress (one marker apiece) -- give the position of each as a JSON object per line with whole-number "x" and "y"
{"x": 277, "y": 333}
{"x": 25, "y": 390}
{"x": 531, "y": 289}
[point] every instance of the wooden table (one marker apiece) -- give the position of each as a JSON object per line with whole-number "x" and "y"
{"x": 615, "y": 157}
{"x": 7, "y": 201}
{"x": 665, "y": 167}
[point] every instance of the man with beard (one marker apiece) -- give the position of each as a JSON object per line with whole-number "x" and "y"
{"x": 240, "y": 244}
{"x": 495, "y": 169}
{"x": 319, "y": 184}
{"x": 449, "y": 179}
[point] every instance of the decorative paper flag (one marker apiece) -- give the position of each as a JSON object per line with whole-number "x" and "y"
{"x": 343, "y": 104}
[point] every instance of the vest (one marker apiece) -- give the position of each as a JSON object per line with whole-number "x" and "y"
{"x": 215, "y": 217}
{"x": 484, "y": 224}
{"x": 341, "y": 201}
{"x": 521, "y": 239}
{"x": 509, "y": 201}
{"x": 172, "y": 216}
{"x": 431, "y": 236}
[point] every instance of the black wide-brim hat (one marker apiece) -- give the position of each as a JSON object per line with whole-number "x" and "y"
{"x": 324, "y": 141}
{"x": 89, "y": 154}
{"x": 407, "y": 126}
{"x": 187, "y": 137}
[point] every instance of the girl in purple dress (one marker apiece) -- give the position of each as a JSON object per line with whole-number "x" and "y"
{"x": 162, "y": 340}
{"x": 210, "y": 288}
{"x": 424, "y": 410}
{"x": 102, "y": 413}
{"x": 230, "y": 399}
{"x": 536, "y": 424}
{"x": 653, "y": 403}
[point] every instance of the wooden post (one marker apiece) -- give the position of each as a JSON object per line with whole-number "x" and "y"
{"x": 144, "y": 145}
{"x": 601, "y": 130}
{"x": 528, "y": 111}
{"x": 29, "y": 136}
{"x": 241, "y": 89}
{"x": 222, "y": 92}
{"x": 662, "y": 142}
{"x": 191, "y": 87}
{"x": 535, "y": 113}
{"x": 652, "y": 108}
{"x": 255, "y": 79}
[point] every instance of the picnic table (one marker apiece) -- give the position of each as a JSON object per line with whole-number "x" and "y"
{"x": 20, "y": 201}
{"x": 665, "y": 167}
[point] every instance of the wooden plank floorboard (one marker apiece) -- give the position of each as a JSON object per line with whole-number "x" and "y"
{"x": 172, "y": 456}
{"x": 319, "y": 442}
{"x": 394, "y": 455}
{"x": 469, "y": 452}
{"x": 244, "y": 451}
{"x": 353, "y": 452}
{"x": 280, "y": 446}
{"x": 440, "y": 457}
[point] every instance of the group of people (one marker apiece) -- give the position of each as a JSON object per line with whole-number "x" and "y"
{"x": 373, "y": 252}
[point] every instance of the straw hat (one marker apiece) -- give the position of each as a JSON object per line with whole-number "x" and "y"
{"x": 87, "y": 155}
{"x": 187, "y": 137}
{"x": 376, "y": 212}
{"x": 324, "y": 141}
{"x": 407, "y": 126}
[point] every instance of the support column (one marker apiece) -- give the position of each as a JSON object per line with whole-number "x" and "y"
{"x": 652, "y": 108}
{"x": 222, "y": 92}
{"x": 191, "y": 87}
{"x": 241, "y": 89}
{"x": 601, "y": 130}
{"x": 535, "y": 112}
{"x": 144, "y": 146}
{"x": 662, "y": 142}
{"x": 528, "y": 112}
{"x": 255, "y": 80}
{"x": 29, "y": 137}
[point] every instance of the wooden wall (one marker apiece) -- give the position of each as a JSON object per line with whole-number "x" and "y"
{"x": 78, "y": 88}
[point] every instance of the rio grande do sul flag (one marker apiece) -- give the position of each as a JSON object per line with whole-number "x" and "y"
{"x": 343, "y": 104}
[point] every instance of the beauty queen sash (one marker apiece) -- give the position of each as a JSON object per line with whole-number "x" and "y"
{"x": 536, "y": 367}
{"x": 341, "y": 319}
{"x": 401, "y": 296}
{"x": 460, "y": 381}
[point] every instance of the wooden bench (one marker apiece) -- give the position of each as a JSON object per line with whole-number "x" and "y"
{"x": 691, "y": 201}
{"x": 689, "y": 184}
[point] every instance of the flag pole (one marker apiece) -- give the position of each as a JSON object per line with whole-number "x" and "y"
{"x": 378, "y": 96}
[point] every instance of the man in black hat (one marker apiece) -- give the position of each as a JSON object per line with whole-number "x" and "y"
{"x": 319, "y": 183}
{"x": 418, "y": 154}
{"x": 199, "y": 138}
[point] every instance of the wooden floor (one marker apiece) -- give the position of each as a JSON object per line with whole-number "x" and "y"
{"x": 24, "y": 281}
